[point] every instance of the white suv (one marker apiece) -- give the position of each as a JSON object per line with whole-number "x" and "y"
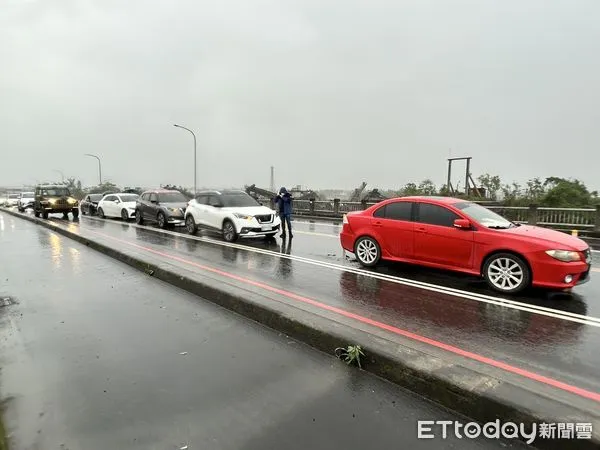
{"x": 26, "y": 200}
{"x": 232, "y": 213}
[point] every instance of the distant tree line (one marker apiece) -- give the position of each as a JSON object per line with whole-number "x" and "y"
{"x": 551, "y": 192}
{"x": 78, "y": 191}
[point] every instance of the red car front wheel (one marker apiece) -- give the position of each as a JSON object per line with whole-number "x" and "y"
{"x": 506, "y": 273}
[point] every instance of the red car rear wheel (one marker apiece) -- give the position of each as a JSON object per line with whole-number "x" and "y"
{"x": 367, "y": 251}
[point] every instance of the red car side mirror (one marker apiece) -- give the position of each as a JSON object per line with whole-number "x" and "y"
{"x": 462, "y": 224}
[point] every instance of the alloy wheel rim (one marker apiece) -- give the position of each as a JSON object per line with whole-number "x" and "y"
{"x": 367, "y": 251}
{"x": 228, "y": 231}
{"x": 124, "y": 215}
{"x": 190, "y": 225}
{"x": 505, "y": 274}
{"x": 161, "y": 220}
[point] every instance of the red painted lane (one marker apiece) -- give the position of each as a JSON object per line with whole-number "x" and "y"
{"x": 449, "y": 348}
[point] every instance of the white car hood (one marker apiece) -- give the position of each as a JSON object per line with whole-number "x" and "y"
{"x": 251, "y": 210}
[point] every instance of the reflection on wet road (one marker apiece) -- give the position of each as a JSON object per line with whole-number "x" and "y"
{"x": 553, "y": 334}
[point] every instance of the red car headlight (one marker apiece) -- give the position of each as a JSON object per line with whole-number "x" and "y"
{"x": 564, "y": 255}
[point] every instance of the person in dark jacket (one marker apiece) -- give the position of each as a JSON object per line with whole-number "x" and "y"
{"x": 284, "y": 207}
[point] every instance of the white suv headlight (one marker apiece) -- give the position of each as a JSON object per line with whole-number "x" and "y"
{"x": 564, "y": 255}
{"x": 243, "y": 216}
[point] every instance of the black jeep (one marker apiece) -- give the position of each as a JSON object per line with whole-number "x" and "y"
{"x": 51, "y": 198}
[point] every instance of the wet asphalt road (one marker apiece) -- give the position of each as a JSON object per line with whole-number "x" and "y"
{"x": 559, "y": 347}
{"x": 96, "y": 355}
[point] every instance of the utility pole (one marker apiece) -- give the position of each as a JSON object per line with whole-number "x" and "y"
{"x": 272, "y": 179}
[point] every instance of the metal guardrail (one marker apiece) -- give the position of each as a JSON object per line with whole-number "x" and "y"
{"x": 570, "y": 218}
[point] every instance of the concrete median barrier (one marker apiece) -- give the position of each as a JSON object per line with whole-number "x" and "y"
{"x": 482, "y": 393}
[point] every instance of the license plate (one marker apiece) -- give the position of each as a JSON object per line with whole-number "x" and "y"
{"x": 266, "y": 228}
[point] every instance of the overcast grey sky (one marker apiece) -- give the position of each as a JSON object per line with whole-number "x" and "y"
{"x": 329, "y": 92}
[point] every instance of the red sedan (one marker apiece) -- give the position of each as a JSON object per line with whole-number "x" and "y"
{"x": 454, "y": 234}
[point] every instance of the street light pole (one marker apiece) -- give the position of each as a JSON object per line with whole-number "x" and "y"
{"x": 99, "y": 165}
{"x": 179, "y": 126}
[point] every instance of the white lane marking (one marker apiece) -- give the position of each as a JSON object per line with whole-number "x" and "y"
{"x": 317, "y": 223}
{"x": 313, "y": 233}
{"x": 542, "y": 310}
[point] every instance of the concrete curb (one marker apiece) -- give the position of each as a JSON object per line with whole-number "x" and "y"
{"x": 459, "y": 388}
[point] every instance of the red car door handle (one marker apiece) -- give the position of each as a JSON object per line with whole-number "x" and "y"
{"x": 377, "y": 224}
{"x": 421, "y": 230}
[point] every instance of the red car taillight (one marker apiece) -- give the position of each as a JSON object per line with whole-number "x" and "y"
{"x": 346, "y": 228}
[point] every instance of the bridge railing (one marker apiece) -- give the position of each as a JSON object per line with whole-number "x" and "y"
{"x": 570, "y": 218}
{"x": 518, "y": 214}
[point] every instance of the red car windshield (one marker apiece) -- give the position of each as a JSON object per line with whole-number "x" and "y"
{"x": 484, "y": 216}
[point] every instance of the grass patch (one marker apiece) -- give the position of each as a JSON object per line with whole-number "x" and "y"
{"x": 350, "y": 355}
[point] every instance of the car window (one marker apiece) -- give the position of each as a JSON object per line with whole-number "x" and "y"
{"x": 202, "y": 199}
{"x": 153, "y": 197}
{"x": 238, "y": 200}
{"x": 483, "y": 215}
{"x": 214, "y": 200}
{"x": 380, "y": 212}
{"x": 56, "y": 192}
{"x": 129, "y": 197}
{"x": 110, "y": 198}
{"x": 172, "y": 197}
{"x": 395, "y": 211}
{"x": 436, "y": 215}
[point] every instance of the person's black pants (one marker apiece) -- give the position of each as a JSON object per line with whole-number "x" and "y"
{"x": 286, "y": 219}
